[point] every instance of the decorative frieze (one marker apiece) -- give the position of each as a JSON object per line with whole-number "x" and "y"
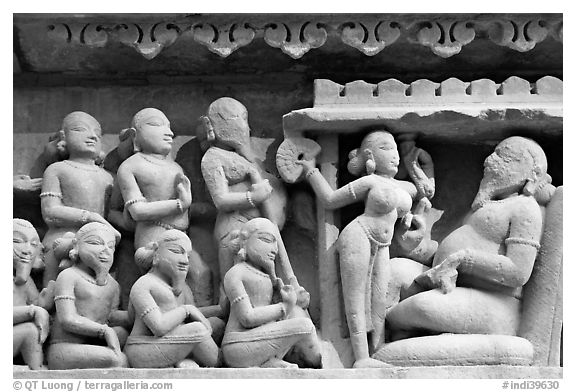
{"x": 296, "y": 35}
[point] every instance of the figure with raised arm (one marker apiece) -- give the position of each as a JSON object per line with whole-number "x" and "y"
{"x": 261, "y": 331}
{"x": 363, "y": 245}
{"x": 31, "y": 322}
{"x": 169, "y": 331}
{"x": 75, "y": 191}
{"x": 88, "y": 329}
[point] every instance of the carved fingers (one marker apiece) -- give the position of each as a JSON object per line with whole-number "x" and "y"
{"x": 183, "y": 190}
{"x": 261, "y": 191}
{"x": 41, "y": 320}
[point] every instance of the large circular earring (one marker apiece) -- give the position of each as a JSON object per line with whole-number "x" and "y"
{"x": 370, "y": 166}
{"x": 242, "y": 254}
{"x": 530, "y": 187}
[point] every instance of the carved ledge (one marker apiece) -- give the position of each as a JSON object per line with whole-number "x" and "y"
{"x": 477, "y": 110}
{"x": 296, "y": 35}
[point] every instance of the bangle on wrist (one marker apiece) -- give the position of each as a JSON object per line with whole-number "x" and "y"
{"x": 249, "y": 198}
{"x": 179, "y": 206}
{"x": 282, "y": 311}
{"x": 31, "y": 311}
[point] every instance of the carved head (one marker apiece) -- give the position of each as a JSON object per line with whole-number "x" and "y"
{"x": 168, "y": 256}
{"x": 151, "y": 132}
{"x": 258, "y": 243}
{"x": 378, "y": 154}
{"x": 226, "y": 123}
{"x": 94, "y": 246}
{"x": 517, "y": 165}
{"x": 82, "y": 135}
{"x": 26, "y": 249}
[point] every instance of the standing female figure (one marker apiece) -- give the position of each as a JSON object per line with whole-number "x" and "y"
{"x": 363, "y": 244}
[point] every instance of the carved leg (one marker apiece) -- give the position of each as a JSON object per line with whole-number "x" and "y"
{"x": 26, "y": 342}
{"x": 273, "y": 340}
{"x": 83, "y": 356}
{"x": 308, "y": 351}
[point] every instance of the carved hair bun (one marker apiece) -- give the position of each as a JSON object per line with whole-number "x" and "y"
{"x": 292, "y": 150}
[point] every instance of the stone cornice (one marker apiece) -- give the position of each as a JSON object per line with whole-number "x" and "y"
{"x": 296, "y": 34}
{"x": 451, "y": 110}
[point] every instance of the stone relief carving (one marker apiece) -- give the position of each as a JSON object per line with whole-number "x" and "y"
{"x": 296, "y": 35}
{"x": 481, "y": 272}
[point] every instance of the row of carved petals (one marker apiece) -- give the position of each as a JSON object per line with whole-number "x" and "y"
{"x": 452, "y": 90}
{"x": 445, "y": 37}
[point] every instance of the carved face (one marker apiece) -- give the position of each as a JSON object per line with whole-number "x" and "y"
{"x": 96, "y": 251}
{"x": 153, "y": 133}
{"x": 384, "y": 151}
{"x": 26, "y": 248}
{"x": 261, "y": 249}
{"x": 82, "y": 134}
{"x": 230, "y": 121}
{"x": 172, "y": 259}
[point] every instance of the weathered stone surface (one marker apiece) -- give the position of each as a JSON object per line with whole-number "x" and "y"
{"x": 435, "y": 372}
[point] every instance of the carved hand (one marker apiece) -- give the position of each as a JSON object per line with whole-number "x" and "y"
{"x": 24, "y": 183}
{"x": 444, "y": 275}
{"x": 195, "y": 314}
{"x": 261, "y": 191}
{"x": 111, "y": 339}
{"x": 41, "y": 320}
{"x": 183, "y": 190}
{"x": 288, "y": 297}
{"x": 307, "y": 165}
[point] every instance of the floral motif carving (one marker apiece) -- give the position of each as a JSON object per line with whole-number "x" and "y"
{"x": 223, "y": 40}
{"x": 520, "y": 35}
{"x": 446, "y": 37}
{"x": 295, "y": 39}
{"x": 148, "y": 39}
{"x": 370, "y": 37}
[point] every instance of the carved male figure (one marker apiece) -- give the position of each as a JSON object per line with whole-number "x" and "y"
{"x": 86, "y": 299}
{"x": 169, "y": 330}
{"x": 29, "y": 315}
{"x": 475, "y": 284}
{"x": 261, "y": 332}
{"x": 74, "y": 191}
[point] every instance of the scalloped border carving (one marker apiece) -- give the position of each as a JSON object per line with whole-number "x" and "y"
{"x": 368, "y": 34}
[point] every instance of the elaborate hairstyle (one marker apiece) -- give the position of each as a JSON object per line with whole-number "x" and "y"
{"x": 17, "y": 222}
{"x": 361, "y": 159}
{"x": 81, "y": 233}
{"x": 144, "y": 256}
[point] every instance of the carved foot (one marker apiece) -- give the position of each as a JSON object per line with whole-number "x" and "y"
{"x": 370, "y": 363}
{"x": 278, "y": 363}
{"x": 187, "y": 364}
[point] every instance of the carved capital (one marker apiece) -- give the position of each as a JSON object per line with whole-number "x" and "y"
{"x": 295, "y": 39}
{"x": 446, "y": 37}
{"x": 521, "y": 34}
{"x": 370, "y": 37}
{"x": 225, "y": 39}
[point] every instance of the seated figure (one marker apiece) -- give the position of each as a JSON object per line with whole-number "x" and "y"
{"x": 479, "y": 270}
{"x": 29, "y": 307}
{"x": 169, "y": 330}
{"x": 261, "y": 332}
{"x": 87, "y": 299}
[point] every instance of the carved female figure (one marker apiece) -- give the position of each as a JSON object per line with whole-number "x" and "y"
{"x": 86, "y": 299}
{"x": 169, "y": 330}
{"x": 490, "y": 256}
{"x": 155, "y": 191}
{"x": 29, "y": 315}
{"x": 240, "y": 187}
{"x": 74, "y": 191}
{"x": 260, "y": 332}
{"x": 363, "y": 244}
